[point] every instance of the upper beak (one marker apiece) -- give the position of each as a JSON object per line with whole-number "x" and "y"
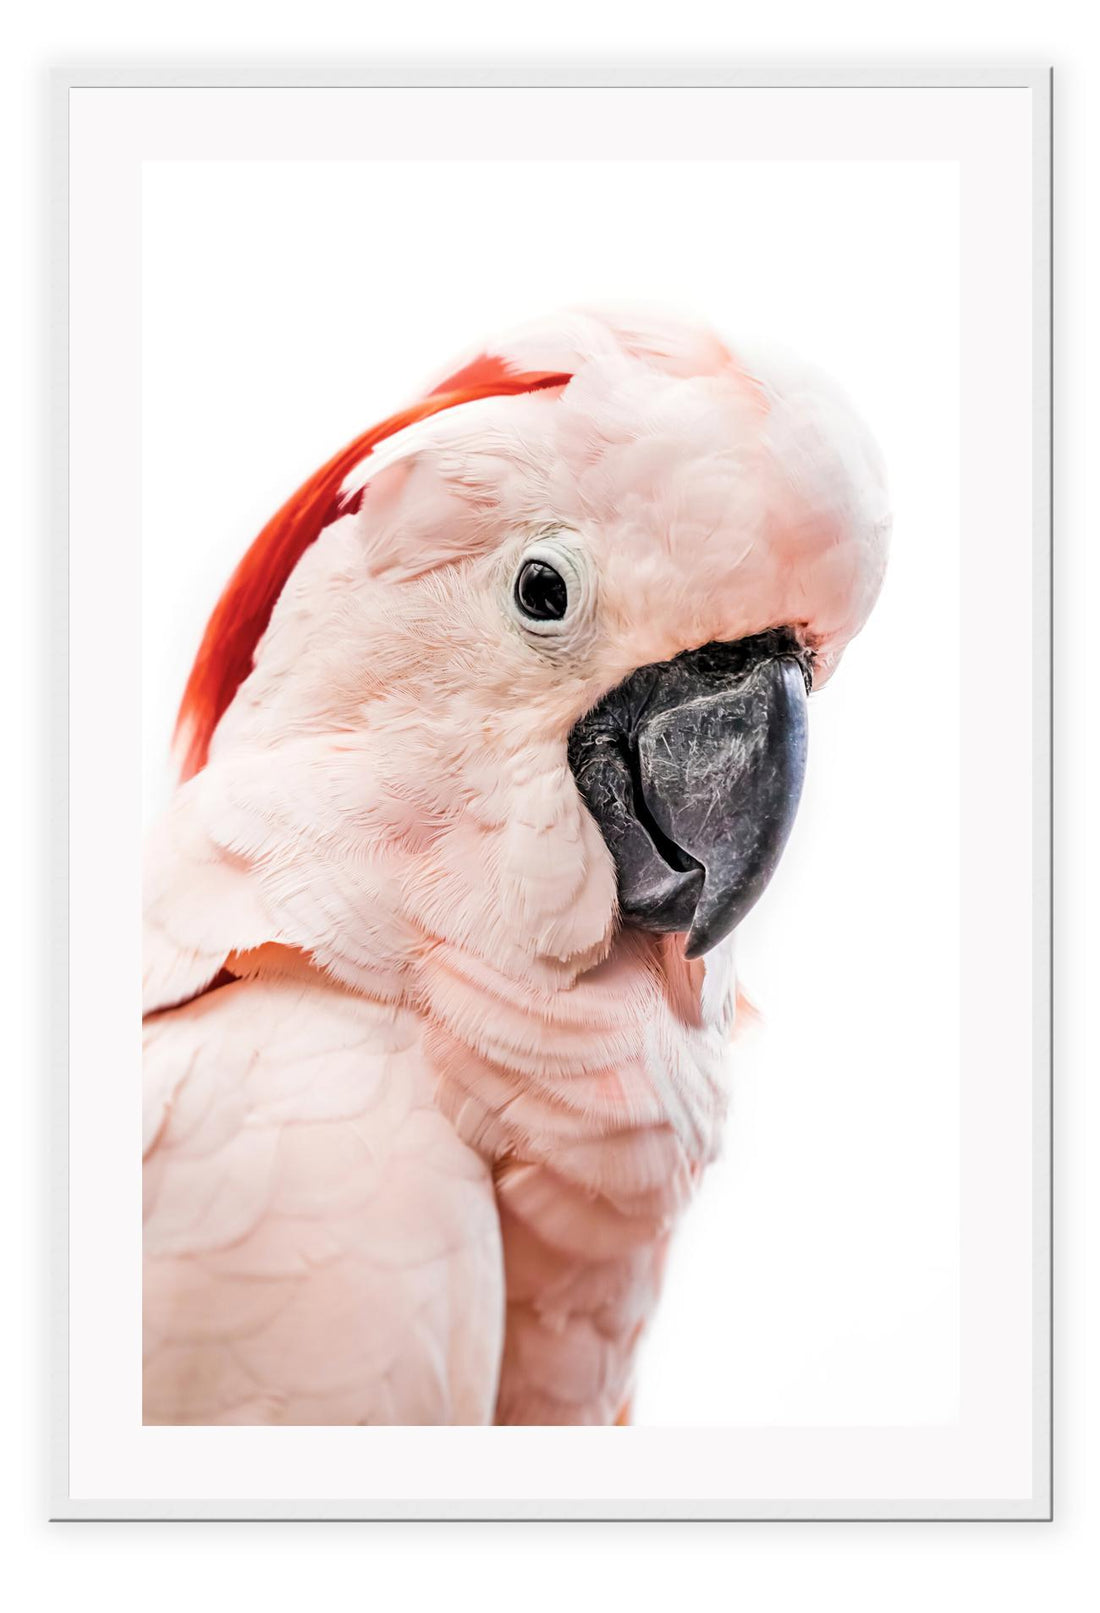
{"x": 693, "y": 769}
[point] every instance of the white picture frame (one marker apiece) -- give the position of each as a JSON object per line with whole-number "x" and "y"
{"x": 995, "y": 1461}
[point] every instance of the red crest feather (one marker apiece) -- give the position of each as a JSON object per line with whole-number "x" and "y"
{"x": 242, "y": 613}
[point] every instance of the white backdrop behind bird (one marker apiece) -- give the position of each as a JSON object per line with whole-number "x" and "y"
{"x": 289, "y": 305}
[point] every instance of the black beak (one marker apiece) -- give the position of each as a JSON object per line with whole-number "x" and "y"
{"x": 693, "y": 769}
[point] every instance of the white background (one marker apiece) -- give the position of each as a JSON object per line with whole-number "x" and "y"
{"x": 1019, "y": 1567}
{"x": 817, "y": 1282}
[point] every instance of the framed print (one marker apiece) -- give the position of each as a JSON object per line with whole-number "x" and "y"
{"x": 559, "y": 794}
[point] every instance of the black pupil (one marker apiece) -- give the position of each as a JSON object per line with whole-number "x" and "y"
{"x": 541, "y": 592}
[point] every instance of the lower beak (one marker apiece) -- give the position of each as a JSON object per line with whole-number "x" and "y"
{"x": 693, "y": 769}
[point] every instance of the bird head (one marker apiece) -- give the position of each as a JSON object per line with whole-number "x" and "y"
{"x": 565, "y": 611}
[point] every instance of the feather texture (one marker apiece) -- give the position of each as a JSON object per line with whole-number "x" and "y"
{"x": 319, "y": 1246}
{"x": 421, "y": 1158}
{"x": 242, "y": 613}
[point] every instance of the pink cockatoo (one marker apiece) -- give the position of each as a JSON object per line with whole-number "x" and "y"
{"x": 496, "y": 733}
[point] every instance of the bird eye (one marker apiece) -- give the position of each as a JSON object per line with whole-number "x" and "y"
{"x": 541, "y": 592}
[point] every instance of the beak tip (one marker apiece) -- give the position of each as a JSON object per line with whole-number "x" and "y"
{"x": 702, "y": 939}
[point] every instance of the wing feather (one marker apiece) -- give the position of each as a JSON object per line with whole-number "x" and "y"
{"x": 320, "y": 1247}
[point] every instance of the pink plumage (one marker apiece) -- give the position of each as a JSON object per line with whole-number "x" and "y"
{"x": 422, "y": 1109}
{"x": 242, "y": 613}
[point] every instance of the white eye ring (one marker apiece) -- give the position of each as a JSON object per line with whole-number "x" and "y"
{"x": 567, "y": 561}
